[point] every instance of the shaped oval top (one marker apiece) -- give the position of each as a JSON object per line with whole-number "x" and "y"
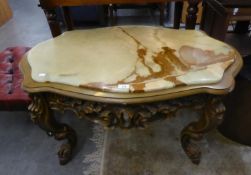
{"x": 131, "y": 59}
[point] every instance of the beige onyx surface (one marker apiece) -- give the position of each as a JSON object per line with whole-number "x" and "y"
{"x": 131, "y": 59}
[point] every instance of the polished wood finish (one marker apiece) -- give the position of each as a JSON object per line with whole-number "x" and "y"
{"x": 5, "y": 12}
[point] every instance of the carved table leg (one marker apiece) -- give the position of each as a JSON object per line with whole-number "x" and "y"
{"x": 211, "y": 117}
{"x": 42, "y": 115}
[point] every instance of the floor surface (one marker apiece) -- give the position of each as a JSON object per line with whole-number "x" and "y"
{"x": 27, "y": 150}
{"x": 27, "y": 27}
{"x": 156, "y": 150}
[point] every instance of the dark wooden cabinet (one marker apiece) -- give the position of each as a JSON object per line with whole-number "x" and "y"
{"x": 237, "y": 120}
{"x": 218, "y": 13}
{"x": 84, "y": 15}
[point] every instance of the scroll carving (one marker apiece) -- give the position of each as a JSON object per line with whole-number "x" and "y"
{"x": 126, "y": 117}
{"x": 42, "y": 115}
{"x": 123, "y": 116}
{"x": 212, "y": 116}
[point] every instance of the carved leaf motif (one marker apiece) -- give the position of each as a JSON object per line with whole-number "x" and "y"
{"x": 123, "y": 116}
{"x": 36, "y": 108}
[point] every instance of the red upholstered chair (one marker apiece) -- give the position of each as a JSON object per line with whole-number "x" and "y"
{"x": 12, "y": 97}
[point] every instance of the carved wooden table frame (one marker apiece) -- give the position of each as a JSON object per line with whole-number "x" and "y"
{"x": 127, "y": 110}
{"x": 125, "y": 116}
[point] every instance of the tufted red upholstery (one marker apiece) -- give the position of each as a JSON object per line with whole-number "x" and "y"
{"x": 12, "y": 97}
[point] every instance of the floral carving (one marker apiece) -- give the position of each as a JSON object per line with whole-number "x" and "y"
{"x": 118, "y": 115}
{"x": 126, "y": 117}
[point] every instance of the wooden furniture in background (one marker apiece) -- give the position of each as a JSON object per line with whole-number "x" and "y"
{"x": 216, "y": 18}
{"x": 190, "y": 10}
{"x": 184, "y": 12}
{"x": 177, "y": 14}
{"x": 85, "y": 15}
{"x": 217, "y": 15}
{"x": 237, "y": 120}
{"x": 49, "y": 8}
{"x": 181, "y": 11}
{"x": 5, "y": 12}
{"x": 160, "y": 6}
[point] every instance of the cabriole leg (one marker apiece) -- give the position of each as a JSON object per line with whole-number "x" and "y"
{"x": 211, "y": 117}
{"x": 42, "y": 115}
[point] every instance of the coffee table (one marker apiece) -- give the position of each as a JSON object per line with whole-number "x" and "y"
{"x": 127, "y": 77}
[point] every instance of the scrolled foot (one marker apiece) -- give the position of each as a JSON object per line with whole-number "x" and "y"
{"x": 213, "y": 112}
{"x": 42, "y": 115}
{"x": 66, "y": 149}
{"x": 192, "y": 150}
{"x": 65, "y": 153}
